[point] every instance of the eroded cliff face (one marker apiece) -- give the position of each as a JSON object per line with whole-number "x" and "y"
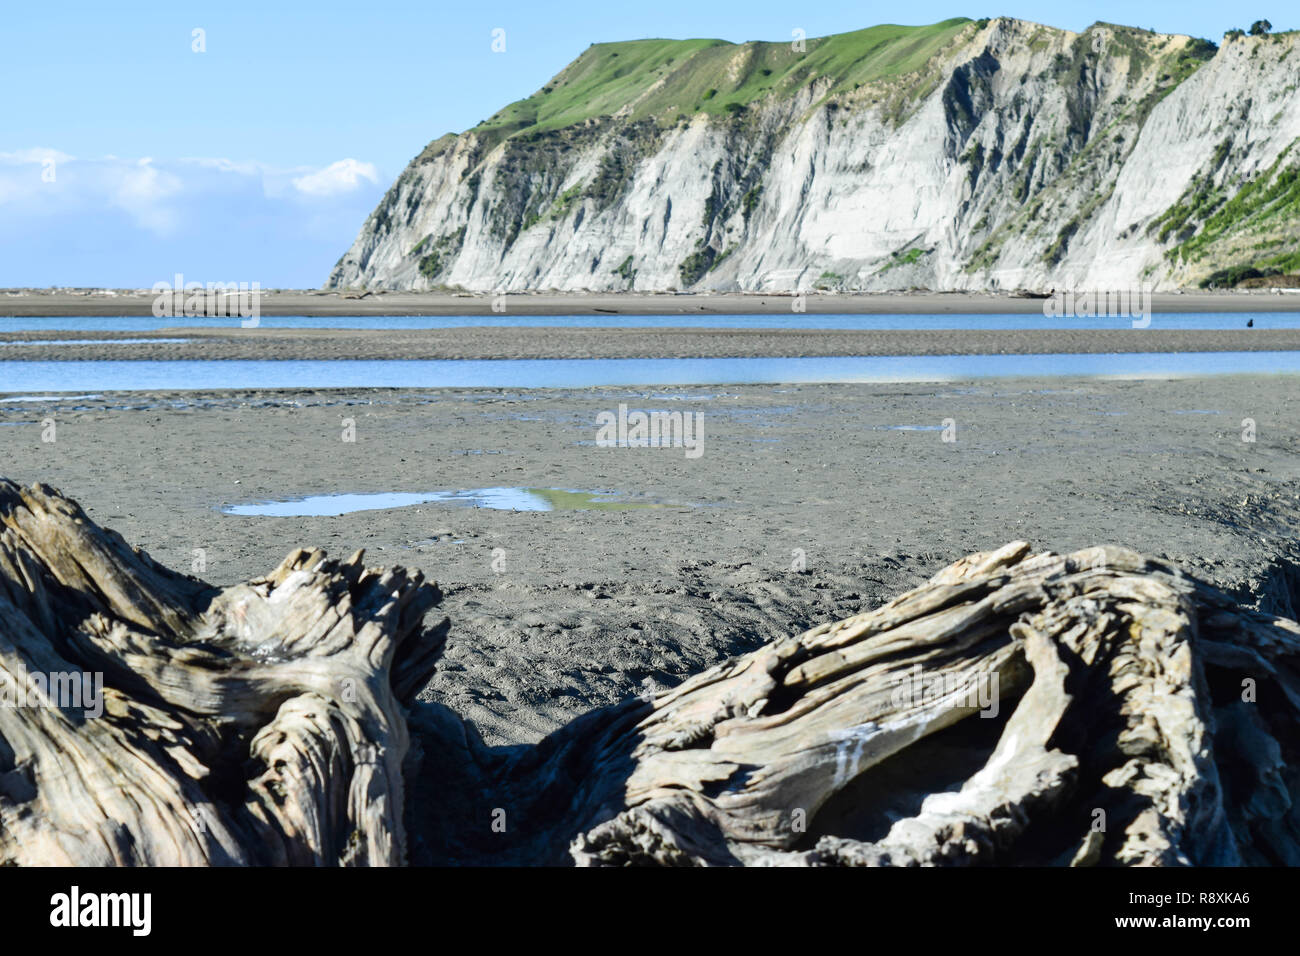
{"x": 1011, "y": 155}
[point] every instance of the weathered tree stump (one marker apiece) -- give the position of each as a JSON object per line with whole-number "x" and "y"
{"x": 1141, "y": 718}
{"x": 262, "y": 724}
{"x": 1095, "y": 708}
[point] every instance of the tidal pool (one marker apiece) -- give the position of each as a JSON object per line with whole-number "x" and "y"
{"x": 498, "y": 499}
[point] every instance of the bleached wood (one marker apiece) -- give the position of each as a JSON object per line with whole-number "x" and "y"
{"x": 260, "y": 724}
{"x": 1141, "y": 717}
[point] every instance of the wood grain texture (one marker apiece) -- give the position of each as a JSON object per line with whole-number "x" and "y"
{"x": 262, "y": 724}
{"x": 1087, "y": 709}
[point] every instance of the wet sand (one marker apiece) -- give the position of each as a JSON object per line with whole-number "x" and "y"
{"x": 583, "y": 343}
{"x": 556, "y": 612}
{"x": 40, "y": 302}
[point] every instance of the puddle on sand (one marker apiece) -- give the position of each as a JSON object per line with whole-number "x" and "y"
{"x": 498, "y": 499}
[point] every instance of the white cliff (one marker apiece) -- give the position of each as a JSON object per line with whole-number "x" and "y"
{"x": 1016, "y": 155}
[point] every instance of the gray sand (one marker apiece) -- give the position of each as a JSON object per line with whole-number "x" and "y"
{"x": 589, "y": 604}
{"x": 540, "y": 343}
{"x": 38, "y": 302}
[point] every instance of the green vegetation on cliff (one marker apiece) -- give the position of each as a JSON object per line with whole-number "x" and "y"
{"x": 665, "y": 79}
{"x": 1251, "y": 227}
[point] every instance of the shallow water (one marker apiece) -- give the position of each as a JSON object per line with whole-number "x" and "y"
{"x": 498, "y": 499}
{"x": 21, "y": 342}
{"x": 1164, "y": 320}
{"x": 45, "y": 398}
{"x": 33, "y": 377}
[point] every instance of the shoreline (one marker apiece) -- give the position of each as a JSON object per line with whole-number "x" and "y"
{"x": 37, "y": 303}
{"x": 574, "y": 343}
{"x": 556, "y": 612}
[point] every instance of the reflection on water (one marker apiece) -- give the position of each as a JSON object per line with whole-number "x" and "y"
{"x": 585, "y": 373}
{"x": 1035, "y": 320}
{"x": 498, "y": 499}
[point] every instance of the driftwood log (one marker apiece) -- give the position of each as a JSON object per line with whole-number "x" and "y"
{"x": 260, "y": 724}
{"x": 1090, "y": 709}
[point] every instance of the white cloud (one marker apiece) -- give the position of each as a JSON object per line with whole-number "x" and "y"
{"x": 113, "y": 220}
{"x": 157, "y": 193}
{"x": 226, "y": 165}
{"x": 142, "y": 190}
{"x": 341, "y": 177}
{"x": 36, "y": 156}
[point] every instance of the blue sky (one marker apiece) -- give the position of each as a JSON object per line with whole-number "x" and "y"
{"x": 125, "y": 156}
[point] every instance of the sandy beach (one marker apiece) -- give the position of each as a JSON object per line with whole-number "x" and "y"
{"x": 576, "y": 575}
{"x": 557, "y": 612}
{"x": 59, "y": 302}
{"x": 584, "y": 343}
{"x": 702, "y": 439}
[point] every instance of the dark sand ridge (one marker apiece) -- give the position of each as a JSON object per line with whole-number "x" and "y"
{"x": 586, "y": 605}
{"x": 39, "y": 302}
{"x": 575, "y": 343}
